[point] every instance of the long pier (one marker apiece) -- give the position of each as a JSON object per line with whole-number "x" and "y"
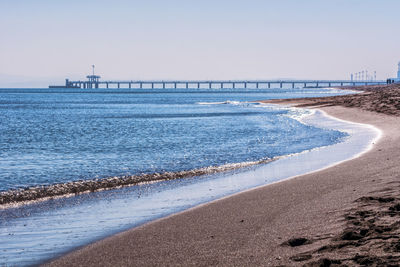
{"x": 213, "y": 84}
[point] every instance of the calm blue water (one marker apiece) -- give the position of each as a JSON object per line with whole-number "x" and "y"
{"x": 55, "y": 136}
{"x": 52, "y": 136}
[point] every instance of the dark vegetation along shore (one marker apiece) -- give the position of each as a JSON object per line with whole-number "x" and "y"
{"x": 346, "y": 215}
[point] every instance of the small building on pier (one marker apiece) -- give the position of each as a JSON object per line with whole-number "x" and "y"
{"x": 93, "y": 81}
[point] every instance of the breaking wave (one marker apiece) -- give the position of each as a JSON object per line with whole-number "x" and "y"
{"x": 221, "y": 103}
{"x": 24, "y": 195}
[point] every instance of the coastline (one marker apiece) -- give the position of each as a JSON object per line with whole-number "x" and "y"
{"x": 250, "y": 227}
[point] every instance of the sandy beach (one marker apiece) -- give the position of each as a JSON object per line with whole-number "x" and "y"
{"x": 348, "y": 214}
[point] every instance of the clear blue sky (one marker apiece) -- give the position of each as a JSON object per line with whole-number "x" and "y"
{"x": 43, "y": 40}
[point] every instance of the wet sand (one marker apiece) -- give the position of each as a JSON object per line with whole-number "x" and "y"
{"x": 346, "y": 214}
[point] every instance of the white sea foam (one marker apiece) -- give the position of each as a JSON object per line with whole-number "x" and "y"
{"x": 221, "y": 103}
{"x": 333, "y": 90}
{"x": 298, "y": 114}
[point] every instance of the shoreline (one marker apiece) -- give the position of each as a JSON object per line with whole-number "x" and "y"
{"x": 26, "y": 195}
{"x": 169, "y": 252}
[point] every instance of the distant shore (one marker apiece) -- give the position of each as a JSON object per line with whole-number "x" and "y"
{"x": 383, "y": 99}
{"x": 346, "y": 214}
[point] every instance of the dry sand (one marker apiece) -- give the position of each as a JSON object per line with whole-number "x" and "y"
{"x": 348, "y": 214}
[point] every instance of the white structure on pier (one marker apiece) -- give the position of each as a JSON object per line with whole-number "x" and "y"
{"x": 395, "y": 80}
{"x": 398, "y": 72}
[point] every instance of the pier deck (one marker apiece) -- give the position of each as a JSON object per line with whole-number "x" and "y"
{"x": 213, "y": 84}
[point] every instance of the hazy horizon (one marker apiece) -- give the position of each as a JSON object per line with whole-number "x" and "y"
{"x": 47, "y": 41}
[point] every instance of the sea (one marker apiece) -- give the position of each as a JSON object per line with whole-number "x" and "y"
{"x": 57, "y": 136}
